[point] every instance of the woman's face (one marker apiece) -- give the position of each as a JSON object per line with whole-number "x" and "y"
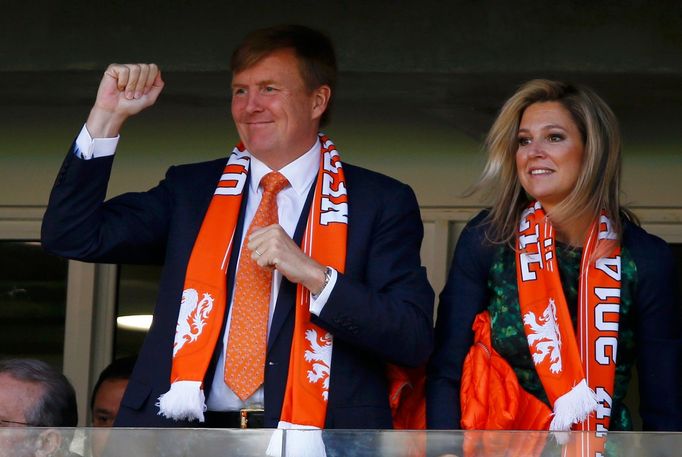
{"x": 550, "y": 153}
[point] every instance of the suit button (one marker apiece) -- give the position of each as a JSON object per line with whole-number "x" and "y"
{"x": 271, "y": 363}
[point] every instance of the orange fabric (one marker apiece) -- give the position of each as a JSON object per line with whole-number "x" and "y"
{"x": 492, "y": 399}
{"x": 491, "y": 396}
{"x": 203, "y": 300}
{"x": 561, "y": 359}
{"x": 307, "y": 389}
{"x": 246, "y": 347}
{"x": 407, "y": 397}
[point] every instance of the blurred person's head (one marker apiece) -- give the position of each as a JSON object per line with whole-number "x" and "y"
{"x": 573, "y": 186}
{"x": 33, "y": 394}
{"x": 108, "y": 391}
{"x": 106, "y": 399}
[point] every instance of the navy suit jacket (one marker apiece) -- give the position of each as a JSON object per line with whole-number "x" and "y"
{"x": 379, "y": 311}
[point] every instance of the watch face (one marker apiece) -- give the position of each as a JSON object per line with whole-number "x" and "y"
{"x": 327, "y": 277}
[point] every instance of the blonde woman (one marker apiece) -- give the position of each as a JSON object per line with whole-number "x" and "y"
{"x": 566, "y": 292}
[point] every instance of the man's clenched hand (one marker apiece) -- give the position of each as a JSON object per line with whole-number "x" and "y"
{"x": 125, "y": 90}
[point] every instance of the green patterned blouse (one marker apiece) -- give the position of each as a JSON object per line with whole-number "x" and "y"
{"x": 509, "y": 339}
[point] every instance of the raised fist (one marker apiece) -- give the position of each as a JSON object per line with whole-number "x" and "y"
{"x": 125, "y": 90}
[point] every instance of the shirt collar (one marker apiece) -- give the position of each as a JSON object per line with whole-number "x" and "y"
{"x": 300, "y": 173}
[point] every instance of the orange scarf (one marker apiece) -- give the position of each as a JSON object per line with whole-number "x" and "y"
{"x": 576, "y": 371}
{"x": 305, "y": 398}
{"x": 204, "y": 296}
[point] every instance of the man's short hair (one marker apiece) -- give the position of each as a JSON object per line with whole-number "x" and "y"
{"x": 315, "y": 52}
{"x": 57, "y": 405}
{"x": 118, "y": 369}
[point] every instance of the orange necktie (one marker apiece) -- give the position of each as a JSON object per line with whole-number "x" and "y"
{"x": 247, "y": 341}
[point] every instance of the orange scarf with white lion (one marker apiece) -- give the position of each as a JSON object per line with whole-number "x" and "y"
{"x": 202, "y": 310}
{"x": 577, "y": 369}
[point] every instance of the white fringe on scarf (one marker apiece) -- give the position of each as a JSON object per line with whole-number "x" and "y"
{"x": 573, "y": 407}
{"x": 300, "y": 441}
{"x": 184, "y": 401}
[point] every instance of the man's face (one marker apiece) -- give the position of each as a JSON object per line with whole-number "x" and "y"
{"x": 107, "y": 401}
{"x": 276, "y": 116}
{"x": 104, "y": 410}
{"x": 16, "y": 397}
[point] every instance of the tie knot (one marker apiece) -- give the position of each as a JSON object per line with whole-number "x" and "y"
{"x": 273, "y": 182}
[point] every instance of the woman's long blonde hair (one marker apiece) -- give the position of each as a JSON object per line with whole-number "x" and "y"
{"x": 598, "y": 186}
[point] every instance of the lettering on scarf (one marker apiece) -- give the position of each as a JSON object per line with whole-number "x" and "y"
{"x": 334, "y": 204}
{"x": 607, "y": 310}
{"x": 234, "y": 177}
{"x": 606, "y": 316}
{"x": 531, "y": 258}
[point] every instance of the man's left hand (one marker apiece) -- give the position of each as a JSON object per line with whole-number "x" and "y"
{"x": 271, "y": 247}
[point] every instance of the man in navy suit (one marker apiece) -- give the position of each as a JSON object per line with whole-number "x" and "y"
{"x": 378, "y": 310}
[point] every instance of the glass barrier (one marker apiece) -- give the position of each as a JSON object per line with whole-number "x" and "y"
{"x": 100, "y": 442}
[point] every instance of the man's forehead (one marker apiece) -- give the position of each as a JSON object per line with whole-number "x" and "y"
{"x": 18, "y": 392}
{"x": 9, "y": 382}
{"x": 278, "y": 58}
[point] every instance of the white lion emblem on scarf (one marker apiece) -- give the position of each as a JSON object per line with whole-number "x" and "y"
{"x": 321, "y": 358}
{"x": 546, "y": 336}
{"x": 192, "y": 318}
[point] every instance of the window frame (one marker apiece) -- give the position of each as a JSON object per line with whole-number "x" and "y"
{"x": 88, "y": 329}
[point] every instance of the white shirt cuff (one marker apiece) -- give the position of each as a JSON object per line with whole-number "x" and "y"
{"x": 318, "y": 301}
{"x": 91, "y": 148}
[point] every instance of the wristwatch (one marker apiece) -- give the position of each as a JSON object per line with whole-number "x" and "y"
{"x": 327, "y": 278}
